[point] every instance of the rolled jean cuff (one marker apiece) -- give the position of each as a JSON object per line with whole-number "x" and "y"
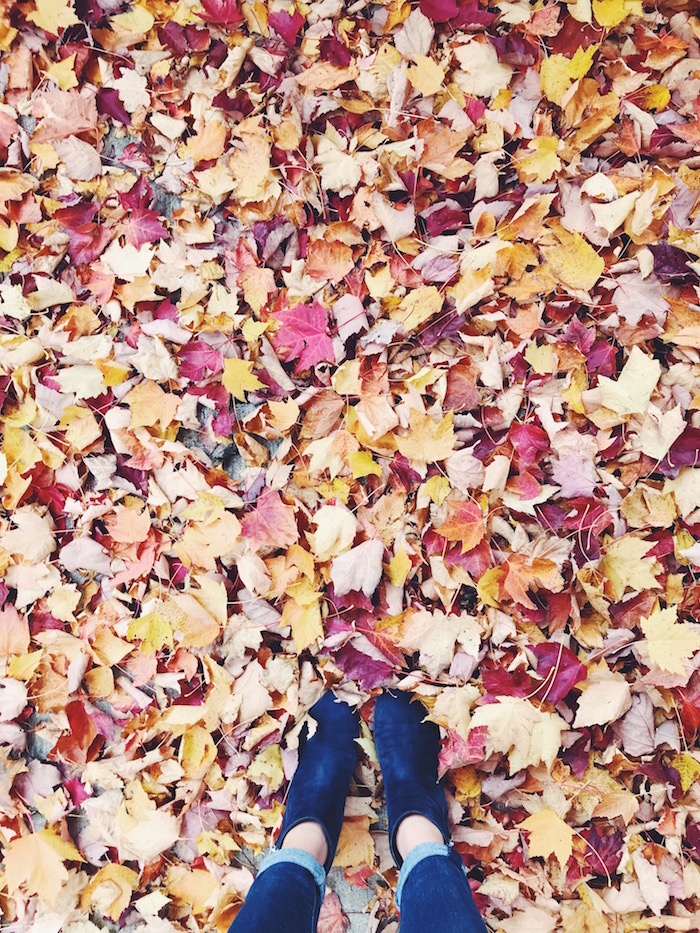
{"x": 422, "y": 851}
{"x": 296, "y": 857}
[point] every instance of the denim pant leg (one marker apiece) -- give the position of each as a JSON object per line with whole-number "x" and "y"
{"x": 285, "y": 897}
{"x": 433, "y": 892}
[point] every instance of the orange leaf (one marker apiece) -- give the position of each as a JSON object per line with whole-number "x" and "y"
{"x": 465, "y": 523}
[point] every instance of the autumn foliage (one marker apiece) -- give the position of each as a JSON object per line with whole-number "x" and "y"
{"x": 349, "y": 345}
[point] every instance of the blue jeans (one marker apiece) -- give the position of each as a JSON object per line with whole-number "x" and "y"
{"x": 432, "y": 894}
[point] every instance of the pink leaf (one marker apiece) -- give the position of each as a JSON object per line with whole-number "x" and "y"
{"x": 144, "y": 227}
{"x": 303, "y": 335}
{"x": 221, "y": 12}
{"x": 560, "y": 668}
{"x": 331, "y": 918}
{"x": 196, "y": 357}
{"x": 271, "y": 523}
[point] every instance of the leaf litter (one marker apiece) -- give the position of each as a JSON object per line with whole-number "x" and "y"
{"x": 349, "y": 346}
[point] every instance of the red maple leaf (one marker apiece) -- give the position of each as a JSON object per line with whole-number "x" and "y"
{"x": 144, "y": 227}
{"x": 303, "y": 335}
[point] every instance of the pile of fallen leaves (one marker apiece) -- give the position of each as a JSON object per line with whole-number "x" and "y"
{"x": 347, "y": 345}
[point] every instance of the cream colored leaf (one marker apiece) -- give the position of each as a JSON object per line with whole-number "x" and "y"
{"x": 670, "y": 643}
{"x": 631, "y": 392}
{"x": 605, "y": 698}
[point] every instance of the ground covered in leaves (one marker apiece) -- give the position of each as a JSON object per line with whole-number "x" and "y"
{"x": 346, "y": 345}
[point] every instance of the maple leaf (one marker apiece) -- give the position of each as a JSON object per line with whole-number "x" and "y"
{"x": 53, "y": 16}
{"x": 331, "y": 918}
{"x": 271, "y": 524}
{"x": 516, "y": 728}
{"x": 434, "y": 635}
{"x": 238, "y": 378}
{"x": 518, "y": 574}
{"x": 36, "y": 862}
{"x": 670, "y": 643}
{"x": 626, "y": 566}
{"x": 464, "y": 523}
{"x": 549, "y": 835}
{"x": 144, "y": 226}
{"x": 428, "y": 441}
{"x": 225, "y": 12}
{"x": 303, "y": 335}
{"x": 355, "y": 845}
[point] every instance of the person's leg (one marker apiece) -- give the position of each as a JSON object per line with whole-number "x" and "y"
{"x": 433, "y": 891}
{"x": 285, "y": 897}
{"x": 288, "y": 890}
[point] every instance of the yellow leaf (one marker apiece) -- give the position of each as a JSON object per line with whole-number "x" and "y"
{"x": 197, "y": 752}
{"x": 283, "y": 414}
{"x": 574, "y": 262}
{"x": 438, "y": 488}
{"x": 193, "y": 888}
{"x": 428, "y": 441}
{"x": 688, "y": 768}
{"x": 253, "y": 330}
{"x": 626, "y": 567}
{"x": 426, "y": 75}
{"x": 150, "y": 405}
{"x": 613, "y": 12}
{"x": 488, "y": 586}
{"x": 467, "y": 783}
{"x": 542, "y": 359}
{"x": 630, "y": 394}
{"x": 519, "y": 729}
{"x": 267, "y": 765}
{"x": 399, "y": 567}
{"x": 238, "y": 378}
{"x": 549, "y": 835}
{"x": 9, "y": 238}
{"x": 362, "y": 464}
{"x": 655, "y": 97}
{"x": 81, "y": 427}
{"x": 53, "y": 15}
{"x": 117, "y": 883}
{"x": 305, "y": 622}
{"x": 206, "y": 508}
{"x": 573, "y": 396}
{"x": 22, "y": 666}
{"x": 137, "y": 22}
{"x": 669, "y": 642}
{"x": 36, "y": 861}
{"x": 63, "y": 74}
{"x": 417, "y": 307}
{"x": 355, "y": 845}
{"x": 558, "y": 72}
{"x": 543, "y": 163}
{"x": 154, "y": 631}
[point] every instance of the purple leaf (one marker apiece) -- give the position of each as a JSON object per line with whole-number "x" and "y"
{"x": 144, "y": 227}
{"x": 560, "y": 668}
{"x": 108, "y": 102}
{"x": 368, "y": 672}
{"x": 671, "y": 262}
{"x": 286, "y": 26}
{"x": 196, "y": 357}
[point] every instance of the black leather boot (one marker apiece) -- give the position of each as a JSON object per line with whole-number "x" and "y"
{"x": 408, "y": 749}
{"x": 326, "y": 762}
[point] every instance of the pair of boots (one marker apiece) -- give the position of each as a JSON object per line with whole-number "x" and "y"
{"x": 407, "y": 749}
